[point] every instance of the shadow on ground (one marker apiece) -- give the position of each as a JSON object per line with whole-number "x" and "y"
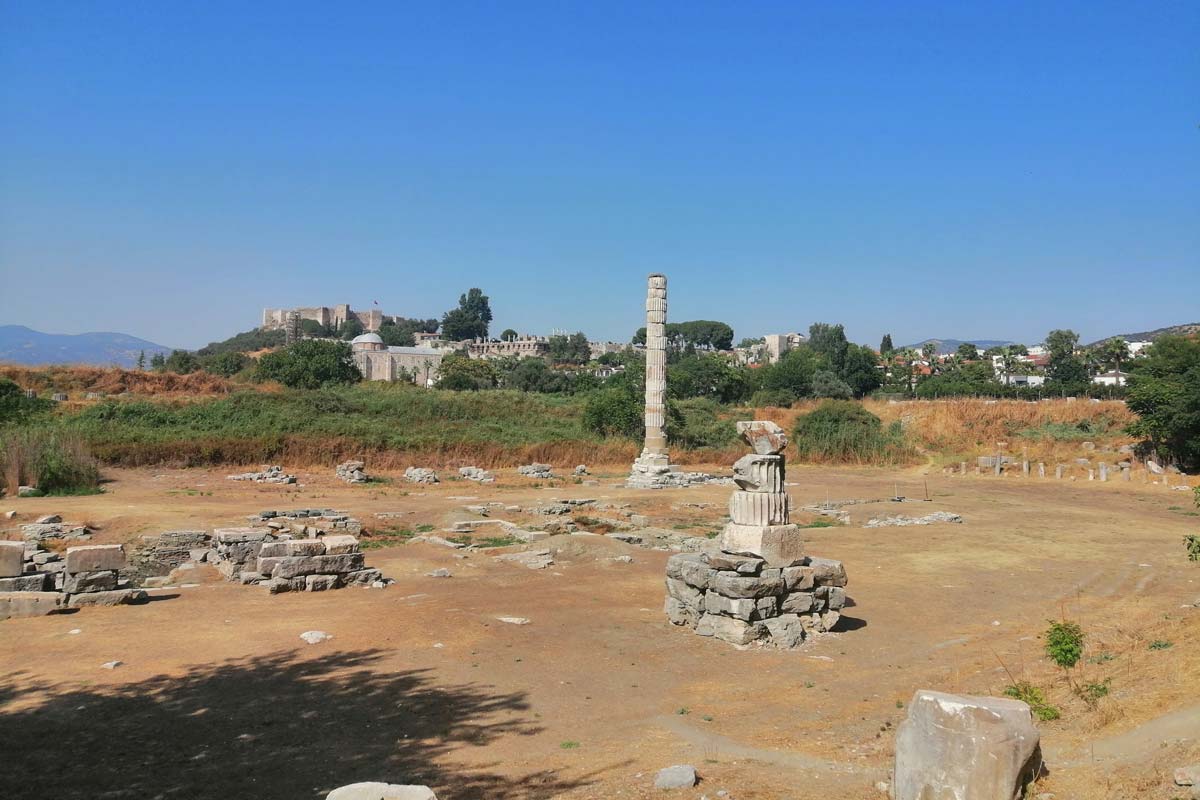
{"x": 269, "y": 727}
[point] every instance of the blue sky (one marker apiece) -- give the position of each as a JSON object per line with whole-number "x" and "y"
{"x": 968, "y": 170}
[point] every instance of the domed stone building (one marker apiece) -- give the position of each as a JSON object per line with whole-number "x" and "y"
{"x": 378, "y": 362}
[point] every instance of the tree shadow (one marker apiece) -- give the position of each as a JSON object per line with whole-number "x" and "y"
{"x": 268, "y": 727}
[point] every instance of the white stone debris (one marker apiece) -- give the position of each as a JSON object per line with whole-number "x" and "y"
{"x": 315, "y": 637}
{"x": 680, "y": 776}
{"x": 112, "y": 664}
{"x": 536, "y": 470}
{"x": 968, "y": 748}
{"x": 420, "y": 475}
{"x": 352, "y": 472}
{"x": 902, "y": 521}
{"x": 514, "y": 620}
{"x": 381, "y": 791}
{"x": 476, "y": 474}
{"x": 268, "y": 474}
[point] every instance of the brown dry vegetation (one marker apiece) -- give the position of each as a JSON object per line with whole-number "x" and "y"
{"x": 106, "y": 380}
{"x": 948, "y": 429}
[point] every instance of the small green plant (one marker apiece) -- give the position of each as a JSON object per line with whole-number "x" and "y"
{"x": 1064, "y": 643}
{"x": 822, "y": 522}
{"x": 1101, "y": 657}
{"x": 569, "y": 745}
{"x": 1026, "y": 692}
{"x": 1191, "y": 543}
{"x": 1161, "y": 644}
{"x": 707, "y": 718}
{"x": 385, "y": 538}
{"x": 425, "y": 528}
{"x": 1092, "y": 692}
{"x": 496, "y": 541}
{"x": 899, "y": 704}
{"x": 683, "y": 711}
{"x": 809, "y": 684}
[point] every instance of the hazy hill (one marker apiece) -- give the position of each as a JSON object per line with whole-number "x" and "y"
{"x": 21, "y": 345}
{"x": 1187, "y": 329}
{"x": 946, "y": 346}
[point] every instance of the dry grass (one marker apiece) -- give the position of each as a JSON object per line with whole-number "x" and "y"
{"x": 949, "y": 429}
{"x": 112, "y": 381}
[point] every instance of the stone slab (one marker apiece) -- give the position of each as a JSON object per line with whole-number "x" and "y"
{"x": 317, "y": 565}
{"x": 12, "y": 559}
{"x": 111, "y": 598}
{"x": 95, "y": 557}
{"x": 14, "y": 605}
{"x": 780, "y": 545}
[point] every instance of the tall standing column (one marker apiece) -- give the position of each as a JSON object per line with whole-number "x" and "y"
{"x": 656, "y": 365}
{"x": 652, "y": 467}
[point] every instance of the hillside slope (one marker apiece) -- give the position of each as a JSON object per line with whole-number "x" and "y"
{"x": 21, "y": 345}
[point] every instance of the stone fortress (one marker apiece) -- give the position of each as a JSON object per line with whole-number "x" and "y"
{"x": 334, "y": 318}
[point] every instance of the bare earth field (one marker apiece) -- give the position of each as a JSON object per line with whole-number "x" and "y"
{"x": 219, "y": 698}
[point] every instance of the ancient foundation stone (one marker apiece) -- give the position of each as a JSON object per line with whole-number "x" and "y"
{"x": 30, "y": 604}
{"x": 964, "y": 747}
{"x": 12, "y": 559}
{"x": 95, "y": 557}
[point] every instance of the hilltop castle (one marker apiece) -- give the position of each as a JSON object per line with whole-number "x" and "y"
{"x": 333, "y": 318}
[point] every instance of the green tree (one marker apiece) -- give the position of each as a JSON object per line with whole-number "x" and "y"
{"x": 707, "y": 375}
{"x": 1065, "y": 368}
{"x": 351, "y": 328}
{"x": 829, "y": 341}
{"x": 509, "y": 335}
{"x": 1114, "y": 352}
{"x": 967, "y": 351}
{"x": 748, "y": 342}
{"x": 573, "y": 349}
{"x": 793, "y": 372}
{"x": 1164, "y": 392}
{"x": 461, "y": 373}
{"x": 885, "y": 345}
{"x": 181, "y": 362}
{"x": 614, "y": 412}
{"x": 226, "y": 364}
{"x": 826, "y": 384}
{"x": 395, "y": 336}
{"x": 470, "y": 320}
{"x": 157, "y": 362}
{"x": 860, "y": 370}
{"x": 15, "y": 407}
{"x": 310, "y": 364}
{"x": 310, "y": 327}
{"x": 141, "y": 360}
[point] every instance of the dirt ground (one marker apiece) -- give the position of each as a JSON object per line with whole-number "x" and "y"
{"x": 218, "y": 697}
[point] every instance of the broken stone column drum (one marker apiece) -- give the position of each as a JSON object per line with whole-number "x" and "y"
{"x": 758, "y": 509}
{"x": 656, "y": 365}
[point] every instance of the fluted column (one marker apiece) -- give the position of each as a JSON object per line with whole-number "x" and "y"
{"x": 656, "y": 365}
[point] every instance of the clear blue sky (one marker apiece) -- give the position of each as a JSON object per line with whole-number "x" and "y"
{"x": 953, "y": 170}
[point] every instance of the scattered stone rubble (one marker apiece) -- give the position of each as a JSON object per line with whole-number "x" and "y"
{"x": 34, "y": 581}
{"x": 968, "y": 748}
{"x": 536, "y": 470}
{"x": 272, "y": 558}
{"x": 759, "y": 587}
{"x": 420, "y": 475}
{"x": 308, "y": 521}
{"x": 476, "y": 474}
{"x": 533, "y": 559}
{"x": 42, "y": 531}
{"x": 381, "y": 791}
{"x": 581, "y": 470}
{"x": 269, "y": 474}
{"x": 902, "y": 521}
{"x": 352, "y": 472}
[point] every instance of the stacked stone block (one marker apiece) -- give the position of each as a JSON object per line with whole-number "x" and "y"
{"x": 759, "y": 587}
{"x": 270, "y": 473}
{"x": 272, "y": 558}
{"x": 308, "y": 521}
{"x": 741, "y": 600}
{"x": 352, "y": 472}
{"x": 34, "y": 581}
{"x": 650, "y": 469}
{"x": 160, "y": 553}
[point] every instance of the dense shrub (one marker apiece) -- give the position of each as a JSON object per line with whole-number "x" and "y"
{"x": 698, "y": 423}
{"x": 15, "y": 407}
{"x": 842, "y": 431}
{"x": 772, "y": 398}
{"x": 53, "y": 461}
{"x": 614, "y": 412}
{"x": 310, "y": 364}
{"x": 1165, "y": 391}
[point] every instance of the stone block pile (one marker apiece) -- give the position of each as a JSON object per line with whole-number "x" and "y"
{"x": 476, "y": 474}
{"x": 268, "y": 474}
{"x": 44, "y": 531}
{"x": 759, "y": 587}
{"x": 420, "y": 475}
{"x": 160, "y": 553}
{"x": 352, "y": 472}
{"x": 273, "y": 558}
{"x": 742, "y": 600}
{"x": 308, "y": 521}
{"x": 536, "y": 470}
{"x": 34, "y": 581}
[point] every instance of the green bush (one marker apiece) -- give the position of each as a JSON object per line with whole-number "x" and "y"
{"x": 310, "y": 364}
{"x": 698, "y": 423}
{"x": 614, "y": 412}
{"x": 15, "y": 407}
{"x": 772, "y": 398}
{"x": 1026, "y": 692}
{"x": 56, "y": 463}
{"x": 1064, "y": 643}
{"x": 842, "y": 431}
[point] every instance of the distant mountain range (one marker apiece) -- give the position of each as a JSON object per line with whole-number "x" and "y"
{"x": 947, "y": 346}
{"x": 1187, "y": 329}
{"x": 21, "y": 345}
